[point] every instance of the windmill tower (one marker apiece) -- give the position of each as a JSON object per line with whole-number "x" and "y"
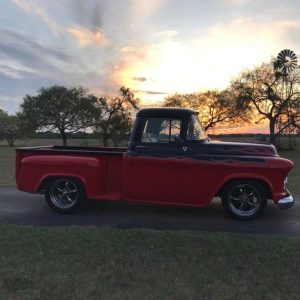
{"x": 284, "y": 65}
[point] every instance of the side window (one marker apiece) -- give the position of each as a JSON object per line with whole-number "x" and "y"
{"x": 175, "y": 129}
{"x": 161, "y": 130}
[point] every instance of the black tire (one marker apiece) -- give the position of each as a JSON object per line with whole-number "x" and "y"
{"x": 65, "y": 195}
{"x": 244, "y": 199}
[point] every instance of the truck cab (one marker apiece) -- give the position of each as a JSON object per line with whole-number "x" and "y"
{"x": 167, "y": 131}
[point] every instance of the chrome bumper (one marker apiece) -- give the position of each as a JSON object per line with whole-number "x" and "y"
{"x": 286, "y": 202}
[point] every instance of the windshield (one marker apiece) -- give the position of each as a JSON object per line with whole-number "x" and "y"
{"x": 195, "y": 131}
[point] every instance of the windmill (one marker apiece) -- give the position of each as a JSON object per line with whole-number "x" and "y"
{"x": 284, "y": 65}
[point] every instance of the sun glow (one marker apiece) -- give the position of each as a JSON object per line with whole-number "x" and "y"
{"x": 168, "y": 68}
{"x": 175, "y": 67}
{"x": 209, "y": 60}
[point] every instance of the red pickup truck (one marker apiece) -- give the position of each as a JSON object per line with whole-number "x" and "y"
{"x": 169, "y": 160}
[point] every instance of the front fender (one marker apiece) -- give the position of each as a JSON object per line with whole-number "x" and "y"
{"x": 248, "y": 176}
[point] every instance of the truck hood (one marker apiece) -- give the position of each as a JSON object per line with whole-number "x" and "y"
{"x": 234, "y": 148}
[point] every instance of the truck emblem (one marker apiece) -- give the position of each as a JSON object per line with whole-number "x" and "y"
{"x": 184, "y": 148}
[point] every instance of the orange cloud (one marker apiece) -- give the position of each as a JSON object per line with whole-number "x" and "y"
{"x": 87, "y": 38}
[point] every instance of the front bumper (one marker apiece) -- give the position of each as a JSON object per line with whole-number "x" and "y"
{"x": 286, "y": 202}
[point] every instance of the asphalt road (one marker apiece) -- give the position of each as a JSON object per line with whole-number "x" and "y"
{"x": 27, "y": 209}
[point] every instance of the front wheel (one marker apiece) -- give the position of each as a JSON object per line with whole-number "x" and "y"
{"x": 65, "y": 195}
{"x": 244, "y": 200}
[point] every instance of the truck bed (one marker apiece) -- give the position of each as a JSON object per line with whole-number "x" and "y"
{"x": 99, "y": 168}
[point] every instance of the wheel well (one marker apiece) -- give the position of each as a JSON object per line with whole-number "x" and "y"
{"x": 263, "y": 183}
{"x": 46, "y": 182}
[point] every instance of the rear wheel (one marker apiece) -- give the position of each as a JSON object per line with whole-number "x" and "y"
{"x": 65, "y": 195}
{"x": 244, "y": 199}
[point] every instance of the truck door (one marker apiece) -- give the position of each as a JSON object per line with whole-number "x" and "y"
{"x": 160, "y": 169}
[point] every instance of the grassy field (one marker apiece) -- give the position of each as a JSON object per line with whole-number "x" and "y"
{"x": 7, "y": 162}
{"x": 7, "y": 165}
{"x": 93, "y": 263}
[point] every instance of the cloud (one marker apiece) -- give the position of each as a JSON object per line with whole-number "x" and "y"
{"x": 127, "y": 49}
{"x": 86, "y": 13}
{"x": 166, "y": 33}
{"x": 241, "y": 43}
{"x": 14, "y": 68}
{"x": 33, "y": 6}
{"x": 87, "y": 38}
{"x": 140, "y": 79}
{"x": 236, "y": 2}
{"x": 9, "y": 104}
{"x": 150, "y": 92}
{"x": 147, "y": 8}
{"x": 12, "y": 43}
{"x": 21, "y": 55}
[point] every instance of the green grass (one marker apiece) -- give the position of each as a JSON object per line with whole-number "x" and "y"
{"x": 93, "y": 263}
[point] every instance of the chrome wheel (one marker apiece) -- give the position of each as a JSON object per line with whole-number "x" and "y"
{"x": 63, "y": 193}
{"x": 244, "y": 200}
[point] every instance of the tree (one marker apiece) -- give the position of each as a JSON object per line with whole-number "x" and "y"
{"x": 114, "y": 111}
{"x": 67, "y": 110}
{"x": 271, "y": 98}
{"x": 121, "y": 129}
{"x": 294, "y": 114}
{"x": 214, "y": 107}
{"x": 9, "y": 127}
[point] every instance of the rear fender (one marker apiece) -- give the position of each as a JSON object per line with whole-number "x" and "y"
{"x": 42, "y": 185}
{"x": 35, "y": 170}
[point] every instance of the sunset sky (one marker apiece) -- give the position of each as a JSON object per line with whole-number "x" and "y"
{"x": 154, "y": 47}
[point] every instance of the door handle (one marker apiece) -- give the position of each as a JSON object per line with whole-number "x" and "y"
{"x": 141, "y": 147}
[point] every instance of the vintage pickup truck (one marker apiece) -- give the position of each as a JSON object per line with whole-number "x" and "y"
{"x": 169, "y": 160}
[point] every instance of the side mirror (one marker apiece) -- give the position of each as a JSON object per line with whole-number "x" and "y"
{"x": 178, "y": 140}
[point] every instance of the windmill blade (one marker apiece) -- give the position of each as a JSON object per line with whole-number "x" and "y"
{"x": 286, "y": 52}
{"x": 280, "y": 56}
{"x": 283, "y": 53}
{"x": 294, "y": 64}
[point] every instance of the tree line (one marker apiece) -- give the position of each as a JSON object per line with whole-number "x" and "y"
{"x": 69, "y": 111}
{"x": 255, "y": 95}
